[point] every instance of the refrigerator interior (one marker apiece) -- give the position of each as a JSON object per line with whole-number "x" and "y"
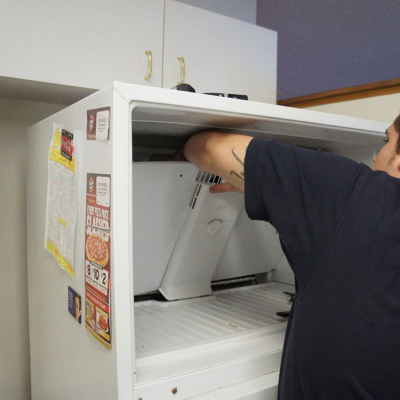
{"x": 236, "y": 324}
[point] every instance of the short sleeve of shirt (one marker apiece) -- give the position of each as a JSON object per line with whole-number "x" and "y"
{"x": 304, "y": 194}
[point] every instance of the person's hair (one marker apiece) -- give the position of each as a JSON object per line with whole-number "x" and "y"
{"x": 396, "y": 124}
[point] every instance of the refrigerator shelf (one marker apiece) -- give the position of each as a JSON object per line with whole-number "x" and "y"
{"x": 170, "y": 326}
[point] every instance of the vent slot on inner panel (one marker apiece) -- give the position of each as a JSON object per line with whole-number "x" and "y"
{"x": 206, "y": 178}
{"x": 203, "y": 178}
{"x": 195, "y": 195}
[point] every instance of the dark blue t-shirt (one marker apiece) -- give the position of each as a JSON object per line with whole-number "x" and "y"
{"x": 339, "y": 226}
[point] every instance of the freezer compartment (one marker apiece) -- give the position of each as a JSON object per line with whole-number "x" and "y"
{"x": 234, "y": 330}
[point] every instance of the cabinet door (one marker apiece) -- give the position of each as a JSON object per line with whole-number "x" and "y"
{"x": 87, "y": 43}
{"x": 147, "y": 23}
{"x": 221, "y": 54}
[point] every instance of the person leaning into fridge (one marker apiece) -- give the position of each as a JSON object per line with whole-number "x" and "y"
{"x": 339, "y": 227}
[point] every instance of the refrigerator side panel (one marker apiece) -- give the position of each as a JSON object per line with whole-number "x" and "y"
{"x": 67, "y": 362}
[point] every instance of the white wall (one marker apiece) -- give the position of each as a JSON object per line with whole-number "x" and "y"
{"x": 380, "y": 108}
{"x": 15, "y": 117}
{"x": 244, "y": 10}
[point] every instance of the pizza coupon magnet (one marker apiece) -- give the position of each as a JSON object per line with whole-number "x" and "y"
{"x": 98, "y": 257}
{"x": 97, "y": 271}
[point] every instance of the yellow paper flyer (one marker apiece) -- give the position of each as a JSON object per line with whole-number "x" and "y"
{"x": 61, "y": 199}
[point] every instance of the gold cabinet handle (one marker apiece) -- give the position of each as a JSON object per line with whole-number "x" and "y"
{"x": 182, "y": 60}
{"x": 150, "y": 65}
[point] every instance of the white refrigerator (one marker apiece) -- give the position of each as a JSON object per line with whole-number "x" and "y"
{"x": 142, "y": 285}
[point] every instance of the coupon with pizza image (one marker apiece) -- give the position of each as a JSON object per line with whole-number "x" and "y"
{"x": 97, "y": 248}
{"x": 98, "y": 256}
{"x": 97, "y": 262}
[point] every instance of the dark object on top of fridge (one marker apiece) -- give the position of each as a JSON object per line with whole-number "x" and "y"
{"x": 185, "y": 87}
{"x": 230, "y": 95}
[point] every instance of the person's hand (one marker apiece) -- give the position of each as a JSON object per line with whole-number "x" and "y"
{"x": 225, "y": 187}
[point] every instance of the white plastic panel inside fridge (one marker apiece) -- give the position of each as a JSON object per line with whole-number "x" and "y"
{"x": 162, "y": 199}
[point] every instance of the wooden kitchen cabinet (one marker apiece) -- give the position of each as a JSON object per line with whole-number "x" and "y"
{"x": 89, "y": 44}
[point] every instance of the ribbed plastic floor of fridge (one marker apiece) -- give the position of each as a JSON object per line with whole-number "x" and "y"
{"x": 163, "y": 326}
